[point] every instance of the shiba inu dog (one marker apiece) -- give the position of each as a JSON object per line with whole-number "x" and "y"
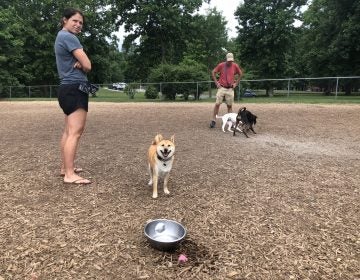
{"x": 160, "y": 159}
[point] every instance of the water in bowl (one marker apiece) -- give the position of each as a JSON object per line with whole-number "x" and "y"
{"x": 165, "y": 237}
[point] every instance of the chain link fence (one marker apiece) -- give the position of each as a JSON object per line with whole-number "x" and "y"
{"x": 197, "y": 90}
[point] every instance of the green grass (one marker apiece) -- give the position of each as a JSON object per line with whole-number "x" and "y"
{"x": 304, "y": 99}
{"x": 279, "y": 97}
{"x": 106, "y": 95}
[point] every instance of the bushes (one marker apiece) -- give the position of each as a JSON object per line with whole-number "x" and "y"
{"x": 187, "y": 71}
{"x": 130, "y": 90}
{"x": 151, "y": 92}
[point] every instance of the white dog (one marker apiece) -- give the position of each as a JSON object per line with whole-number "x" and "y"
{"x": 230, "y": 120}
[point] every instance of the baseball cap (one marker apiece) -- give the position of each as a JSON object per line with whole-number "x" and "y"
{"x": 229, "y": 57}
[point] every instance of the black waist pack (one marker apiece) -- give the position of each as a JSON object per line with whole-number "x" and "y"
{"x": 88, "y": 88}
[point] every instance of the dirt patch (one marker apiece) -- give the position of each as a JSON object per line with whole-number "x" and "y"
{"x": 282, "y": 204}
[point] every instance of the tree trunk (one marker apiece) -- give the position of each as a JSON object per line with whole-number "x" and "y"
{"x": 270, "y": 92}
{"x": 348, "y": 89}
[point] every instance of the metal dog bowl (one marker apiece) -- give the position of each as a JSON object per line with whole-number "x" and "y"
{"x": 164, "y": 234}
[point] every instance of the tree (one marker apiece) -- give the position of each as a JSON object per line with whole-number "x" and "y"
{"x": 39, "y": 31}
{"x": 11, "y": 48}
{"x": 27, "y": 39}
{"x": 186, "y": 71}
{"x": 209, "y": 38}
{"x": 331, "y": 30}
{"x": 115, "y": 72}
{"x": 266, "y": 34}
{"x": 161, "y": 26}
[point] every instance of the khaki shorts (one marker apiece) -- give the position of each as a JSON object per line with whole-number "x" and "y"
{"x": 228, "y": 93}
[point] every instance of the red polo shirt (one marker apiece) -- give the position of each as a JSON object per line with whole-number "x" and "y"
{"x": 227, "y": 73}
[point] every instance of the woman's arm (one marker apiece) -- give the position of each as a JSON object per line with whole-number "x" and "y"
{"x": 83, "y": 62}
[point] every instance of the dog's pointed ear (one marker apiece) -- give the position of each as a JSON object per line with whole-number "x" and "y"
{"x": 172, "y": 139}
{"x": 158, "y": 138}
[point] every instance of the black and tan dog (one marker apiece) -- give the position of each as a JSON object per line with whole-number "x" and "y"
{"x": 246, "y": 120}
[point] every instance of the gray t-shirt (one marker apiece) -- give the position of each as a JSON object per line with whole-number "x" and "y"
{"x": 65, "y": 43}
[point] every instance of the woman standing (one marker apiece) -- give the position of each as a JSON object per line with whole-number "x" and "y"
{"x": 72, "y": 65}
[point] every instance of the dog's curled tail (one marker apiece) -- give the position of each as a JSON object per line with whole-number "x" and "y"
{"x": 242, "y": 109}
{"x": 218, "y": 117}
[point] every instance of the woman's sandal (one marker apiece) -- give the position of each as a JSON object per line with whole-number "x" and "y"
{"x": 79, "y": 182}
{"x": 76, "y": 170}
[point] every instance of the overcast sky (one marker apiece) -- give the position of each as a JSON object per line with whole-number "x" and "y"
{"x": 227, "y": 8}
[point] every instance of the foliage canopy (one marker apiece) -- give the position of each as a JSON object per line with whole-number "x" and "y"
{"x": 169, "y": 40}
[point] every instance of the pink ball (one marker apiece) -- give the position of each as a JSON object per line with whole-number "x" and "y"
{"x": 182, "y": 258}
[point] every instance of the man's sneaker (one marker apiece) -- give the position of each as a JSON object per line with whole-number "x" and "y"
{"x": 212, "y": 124}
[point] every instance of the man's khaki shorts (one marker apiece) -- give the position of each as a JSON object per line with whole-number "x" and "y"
{"x": 228, "y": 93}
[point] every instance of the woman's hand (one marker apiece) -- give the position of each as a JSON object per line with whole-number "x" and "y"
{"x": 83, "y": 61}
{"x": 77, "y": 65}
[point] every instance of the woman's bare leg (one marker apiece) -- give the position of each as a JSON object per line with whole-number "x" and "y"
{"x": 74, "y": 127}
{"x": 62, "y": 144}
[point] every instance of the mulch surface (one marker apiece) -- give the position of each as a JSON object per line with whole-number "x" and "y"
{"x": 282, "y": 204}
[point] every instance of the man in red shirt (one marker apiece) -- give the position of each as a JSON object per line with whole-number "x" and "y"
{"x": 226, "y": 84}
